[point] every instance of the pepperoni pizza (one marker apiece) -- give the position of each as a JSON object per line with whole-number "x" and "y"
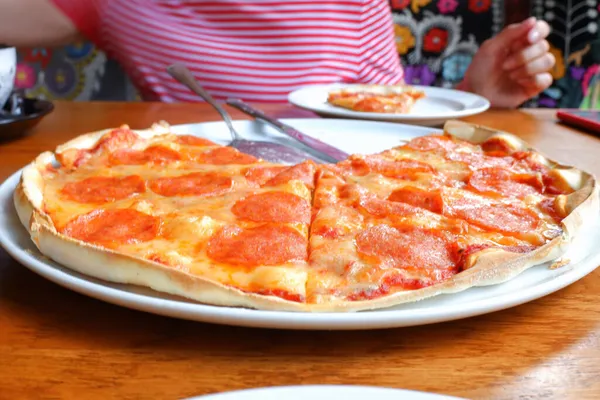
{"x": 185, "y": 216}
{"x": 398, "y": 99}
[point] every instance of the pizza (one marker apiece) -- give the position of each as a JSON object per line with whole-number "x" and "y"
{"x": 398, "y": 99}
{"x": 185, "y": 216}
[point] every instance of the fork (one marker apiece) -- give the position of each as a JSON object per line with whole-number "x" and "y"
{"x": 269, "y": 151}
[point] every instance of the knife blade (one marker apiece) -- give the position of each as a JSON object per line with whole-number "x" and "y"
{"x": 320, "y": 149}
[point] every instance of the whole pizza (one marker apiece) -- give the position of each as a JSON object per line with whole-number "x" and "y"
{"x": 185, "y": 216}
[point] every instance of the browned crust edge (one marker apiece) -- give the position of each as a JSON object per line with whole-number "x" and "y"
{"x": 490, "y": 267}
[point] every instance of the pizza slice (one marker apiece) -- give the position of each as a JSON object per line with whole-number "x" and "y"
{"x": 431, "y": 217}
{"x": 179, "y": 214}
{"x": 398, "y": 99}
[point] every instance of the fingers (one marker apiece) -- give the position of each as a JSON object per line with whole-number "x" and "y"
{"x": 536, "y": 84}
{"x": 540, "y": 31}
{"x": 526, "y": 55}
{"x": 510, "y": 35}
{"x": 534, "y": 67}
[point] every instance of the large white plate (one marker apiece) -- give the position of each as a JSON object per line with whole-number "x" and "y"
{"x": 352, "y": 136}
{"x": 438, "y": 106}
{"x": 324, "y": 392}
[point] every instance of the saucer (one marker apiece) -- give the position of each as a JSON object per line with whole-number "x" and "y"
{"x": 15, "y": 125}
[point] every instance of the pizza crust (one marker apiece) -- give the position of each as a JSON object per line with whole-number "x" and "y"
{"x": 489, "y": 267}
{"x": 89, "y": 140}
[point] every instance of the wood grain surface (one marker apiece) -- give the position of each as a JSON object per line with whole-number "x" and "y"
{"x": 56, "y": 344}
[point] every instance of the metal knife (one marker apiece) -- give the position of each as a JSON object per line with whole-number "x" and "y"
{"x": 320, "y": 149}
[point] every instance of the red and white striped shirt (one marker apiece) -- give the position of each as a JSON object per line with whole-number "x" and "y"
{"x": 257, "y": 50}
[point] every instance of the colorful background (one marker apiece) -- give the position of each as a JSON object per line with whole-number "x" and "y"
{"x": 436, "y": 40}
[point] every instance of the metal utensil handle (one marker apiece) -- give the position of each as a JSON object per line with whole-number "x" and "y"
{"x": 185, "y": 77}
{"x": 325, "y": 150}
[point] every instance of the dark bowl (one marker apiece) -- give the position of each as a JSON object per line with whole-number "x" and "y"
{"x": 32, "y": 112}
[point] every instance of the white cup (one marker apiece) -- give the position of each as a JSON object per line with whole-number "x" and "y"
{"x": 8, "y": 67}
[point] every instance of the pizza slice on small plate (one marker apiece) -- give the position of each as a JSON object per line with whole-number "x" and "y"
{"x": 398, "y": 99}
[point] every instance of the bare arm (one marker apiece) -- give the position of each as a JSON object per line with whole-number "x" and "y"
{"x": 33, "y": 23}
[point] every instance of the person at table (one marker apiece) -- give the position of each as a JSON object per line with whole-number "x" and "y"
{"x": 261, "y": 50}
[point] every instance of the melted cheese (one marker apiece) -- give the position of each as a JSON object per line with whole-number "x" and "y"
{"x": 334, "y": 269}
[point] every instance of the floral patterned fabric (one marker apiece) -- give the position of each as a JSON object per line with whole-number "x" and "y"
{"x": 436, "y": 40}
{"x": 76, "y": 72}
{"x": 575, "y": 42}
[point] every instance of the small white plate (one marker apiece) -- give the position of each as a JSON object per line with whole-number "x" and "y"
{"x": 438, "y": 106}
{"x": 324, "y": 392}
{"x": 351, "y": 136}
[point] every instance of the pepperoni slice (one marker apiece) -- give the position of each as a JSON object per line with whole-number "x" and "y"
{"x": 102, "y": 189}
{"x": 335, "y": 221}
{"x": 529, "y": 161}
{"x": 496, "y": 147}
{"x": 273, "y": 176}
{"x": 263, "y": 245}
{"x": 501, "y": 182}
{"x": 366, "y": 201}
{"x": 414, "y": 249}
{"x": 194, "y": 184}
{"x": 522, "y": 155}
{"x": 261, "y": 175}
{"x": 324, "y": 196}
{"x": 73, "y": 158}
{"x": 429, "y": 200}
{"x": 506, "y": 218}
{"x": 304, "y": 172}
{"x": 401, "y": 169}
{"x": 353, "y": 192}
{"x": 382, "y": 209}
{"x": 327, "y": 232}
{"x": 273, "y": 207}
{"x": 112, "y": 141}
{"x": 116, "y": 139}
{"x": 190, "y": 140}
{"x": 476, "y": 160}
{"x": 432, "y": 143}
{"x": 547, "y": 206}
{"x": 153, "y": 154}
{"x": 554, "y": 184}
{"x": 223, "y": 156}
{"x": 110, "y": 228}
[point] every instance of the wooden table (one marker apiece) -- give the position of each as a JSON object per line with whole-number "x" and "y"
{"x": 55, "y": 343}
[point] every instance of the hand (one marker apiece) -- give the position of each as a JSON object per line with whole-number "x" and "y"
{"x": 513, "y": 66}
